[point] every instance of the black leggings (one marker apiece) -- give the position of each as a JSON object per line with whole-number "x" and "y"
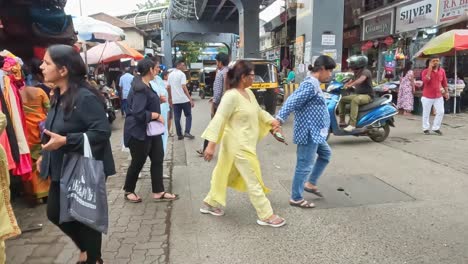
{"x": 86, "y": 239}
{"x": 140, "y": 150}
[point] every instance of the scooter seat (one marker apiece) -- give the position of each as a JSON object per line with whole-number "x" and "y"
{"x": 376, "y": 103}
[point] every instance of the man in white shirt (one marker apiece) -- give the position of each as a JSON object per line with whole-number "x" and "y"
{"x": 180, "y": 99}
{"x": 125, "y": 84}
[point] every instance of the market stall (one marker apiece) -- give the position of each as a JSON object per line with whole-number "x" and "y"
{"x": 448, "y": 44}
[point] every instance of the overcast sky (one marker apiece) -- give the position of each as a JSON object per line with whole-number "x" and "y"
{"x": 111, "y": 7}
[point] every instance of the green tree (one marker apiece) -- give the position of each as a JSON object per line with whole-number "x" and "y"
{"x": 190, "y": 50}
{"x": 223, "y": 49}
{"x": 149, "y": 4}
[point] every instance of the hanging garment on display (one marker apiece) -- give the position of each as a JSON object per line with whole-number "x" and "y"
{"x": 17, "y": 115}
{"x": 13, "y": 148}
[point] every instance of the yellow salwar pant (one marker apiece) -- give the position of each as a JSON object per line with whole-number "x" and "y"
{"x": 255, "y": 190}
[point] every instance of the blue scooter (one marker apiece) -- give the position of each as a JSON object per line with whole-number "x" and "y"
{"x": 374, "y": 119}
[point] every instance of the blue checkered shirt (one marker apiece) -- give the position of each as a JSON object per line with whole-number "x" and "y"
{"x": 311, "y": 120}
{"x": 218, "y": 85}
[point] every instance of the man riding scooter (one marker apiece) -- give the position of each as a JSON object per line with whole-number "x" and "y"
{"x": 363, "y": 91}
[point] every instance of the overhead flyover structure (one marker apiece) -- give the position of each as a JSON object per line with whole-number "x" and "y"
{"x": 215, "y": 21}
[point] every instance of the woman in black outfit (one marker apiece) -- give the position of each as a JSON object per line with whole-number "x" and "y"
{"x": 76, "y": 109}
{"x": 144, "y": 106}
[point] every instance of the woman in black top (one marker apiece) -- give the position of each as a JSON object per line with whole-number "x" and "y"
{"x": 143, "y": 107}
{"x": 75, "y": 109}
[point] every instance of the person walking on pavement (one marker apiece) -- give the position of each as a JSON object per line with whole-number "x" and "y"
{"x": 180, "y": 99}
{"x": 222, "y": 61}
{"x": 311, "y": 126}
{"x": 435, "y": 89}
{"x": 144, "y": 106}
{"x": 125, "y": 83}
{"x": 237, "y": 126}
{"x": 407, "y": 89}
{"x": 158, "y": 85}
{"x": 364, "y": 93}
{"x": 76, "y": 108}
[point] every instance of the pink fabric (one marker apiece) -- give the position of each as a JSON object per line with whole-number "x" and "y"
{"x": 405, "y": 93}
{"x": 6, "y": 145}
{"x": 9, "y": 63}
{"x": 24, "y": 167}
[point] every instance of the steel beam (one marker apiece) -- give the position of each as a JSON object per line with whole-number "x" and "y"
{"x": 202, "y": 27}
{"x": 233, "y": 10}
{"x": 220, "y": 6}
{"x": 202, "y": 9}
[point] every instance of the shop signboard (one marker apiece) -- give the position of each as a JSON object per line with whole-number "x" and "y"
{"x": 378, "y": 26}
{"x": 421, "y": 14}
{"x": 450, "y": 10}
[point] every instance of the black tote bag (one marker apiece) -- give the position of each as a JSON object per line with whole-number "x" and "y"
{"x": 83, "y": 195}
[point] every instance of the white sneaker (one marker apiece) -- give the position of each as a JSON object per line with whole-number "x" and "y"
{"x": 349, "y": 128}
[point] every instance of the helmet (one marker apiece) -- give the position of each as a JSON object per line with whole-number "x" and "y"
{"x": 357, "y": 61}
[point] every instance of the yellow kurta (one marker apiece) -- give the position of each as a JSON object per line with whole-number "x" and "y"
{"x": 237, "y": 127}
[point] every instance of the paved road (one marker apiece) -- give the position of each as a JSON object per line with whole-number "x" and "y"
{"x": 138, "y": 233}
{"x": 404, "y": 201}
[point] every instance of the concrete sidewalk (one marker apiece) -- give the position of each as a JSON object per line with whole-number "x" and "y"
{"x": 138, "y": 233}
{"x": 404, "y": 201}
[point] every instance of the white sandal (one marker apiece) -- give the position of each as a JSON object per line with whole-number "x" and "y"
{"x": 271, "y": 222}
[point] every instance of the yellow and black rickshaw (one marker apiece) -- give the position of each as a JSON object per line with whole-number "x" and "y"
{"x": 206, "y": 81}
{"x": 266, "y": 83}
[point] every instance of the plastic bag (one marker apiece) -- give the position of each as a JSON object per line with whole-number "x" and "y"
{"x": 83, "y": 195}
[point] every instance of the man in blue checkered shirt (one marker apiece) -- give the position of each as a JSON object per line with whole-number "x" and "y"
{"x": 222, "y": 61}
{"x": 311, "y": 126}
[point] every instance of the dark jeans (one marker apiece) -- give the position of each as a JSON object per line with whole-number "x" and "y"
{"x": 124, "y": 106}
{"x": 140, "y": 150}
{"x": 86, "y": 239}
{"x": 215, "y": 108}
{"x": 187, "y": 108}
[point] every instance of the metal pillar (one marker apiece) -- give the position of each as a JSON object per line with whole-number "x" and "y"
{"x": 321, "y": 24}
{"x": 249, "y": 28}
{"x": 167, "y": 47}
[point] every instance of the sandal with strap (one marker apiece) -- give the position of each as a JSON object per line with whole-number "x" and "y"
{"x": 139, "y": 200}
{"x": 314, "y": 191}
{"x": 163, "y": 198}
{"x": 207, "y": 209}
{"x": 302, "y": 204}
{"x": 272, "y": 222}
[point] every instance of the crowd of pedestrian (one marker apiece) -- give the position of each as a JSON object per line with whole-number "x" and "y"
{"x": 150, "y": 98}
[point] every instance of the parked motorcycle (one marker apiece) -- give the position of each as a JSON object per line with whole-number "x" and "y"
{"x": 110, "y": 109}
{"x": 374, "y": 119}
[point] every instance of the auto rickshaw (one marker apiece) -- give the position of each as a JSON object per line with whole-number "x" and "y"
{"x": 207, "y": 78}
{"x": 266, "y": 84}
{"x": 193, "y": 82}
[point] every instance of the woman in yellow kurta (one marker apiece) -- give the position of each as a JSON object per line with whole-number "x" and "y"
{"x": 8, "y": 226}
{"x": 237, "y": 126}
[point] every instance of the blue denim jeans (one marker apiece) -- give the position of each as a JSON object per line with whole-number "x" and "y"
{"x": 124, "y": 106}
{"x": 312, "y": 159}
